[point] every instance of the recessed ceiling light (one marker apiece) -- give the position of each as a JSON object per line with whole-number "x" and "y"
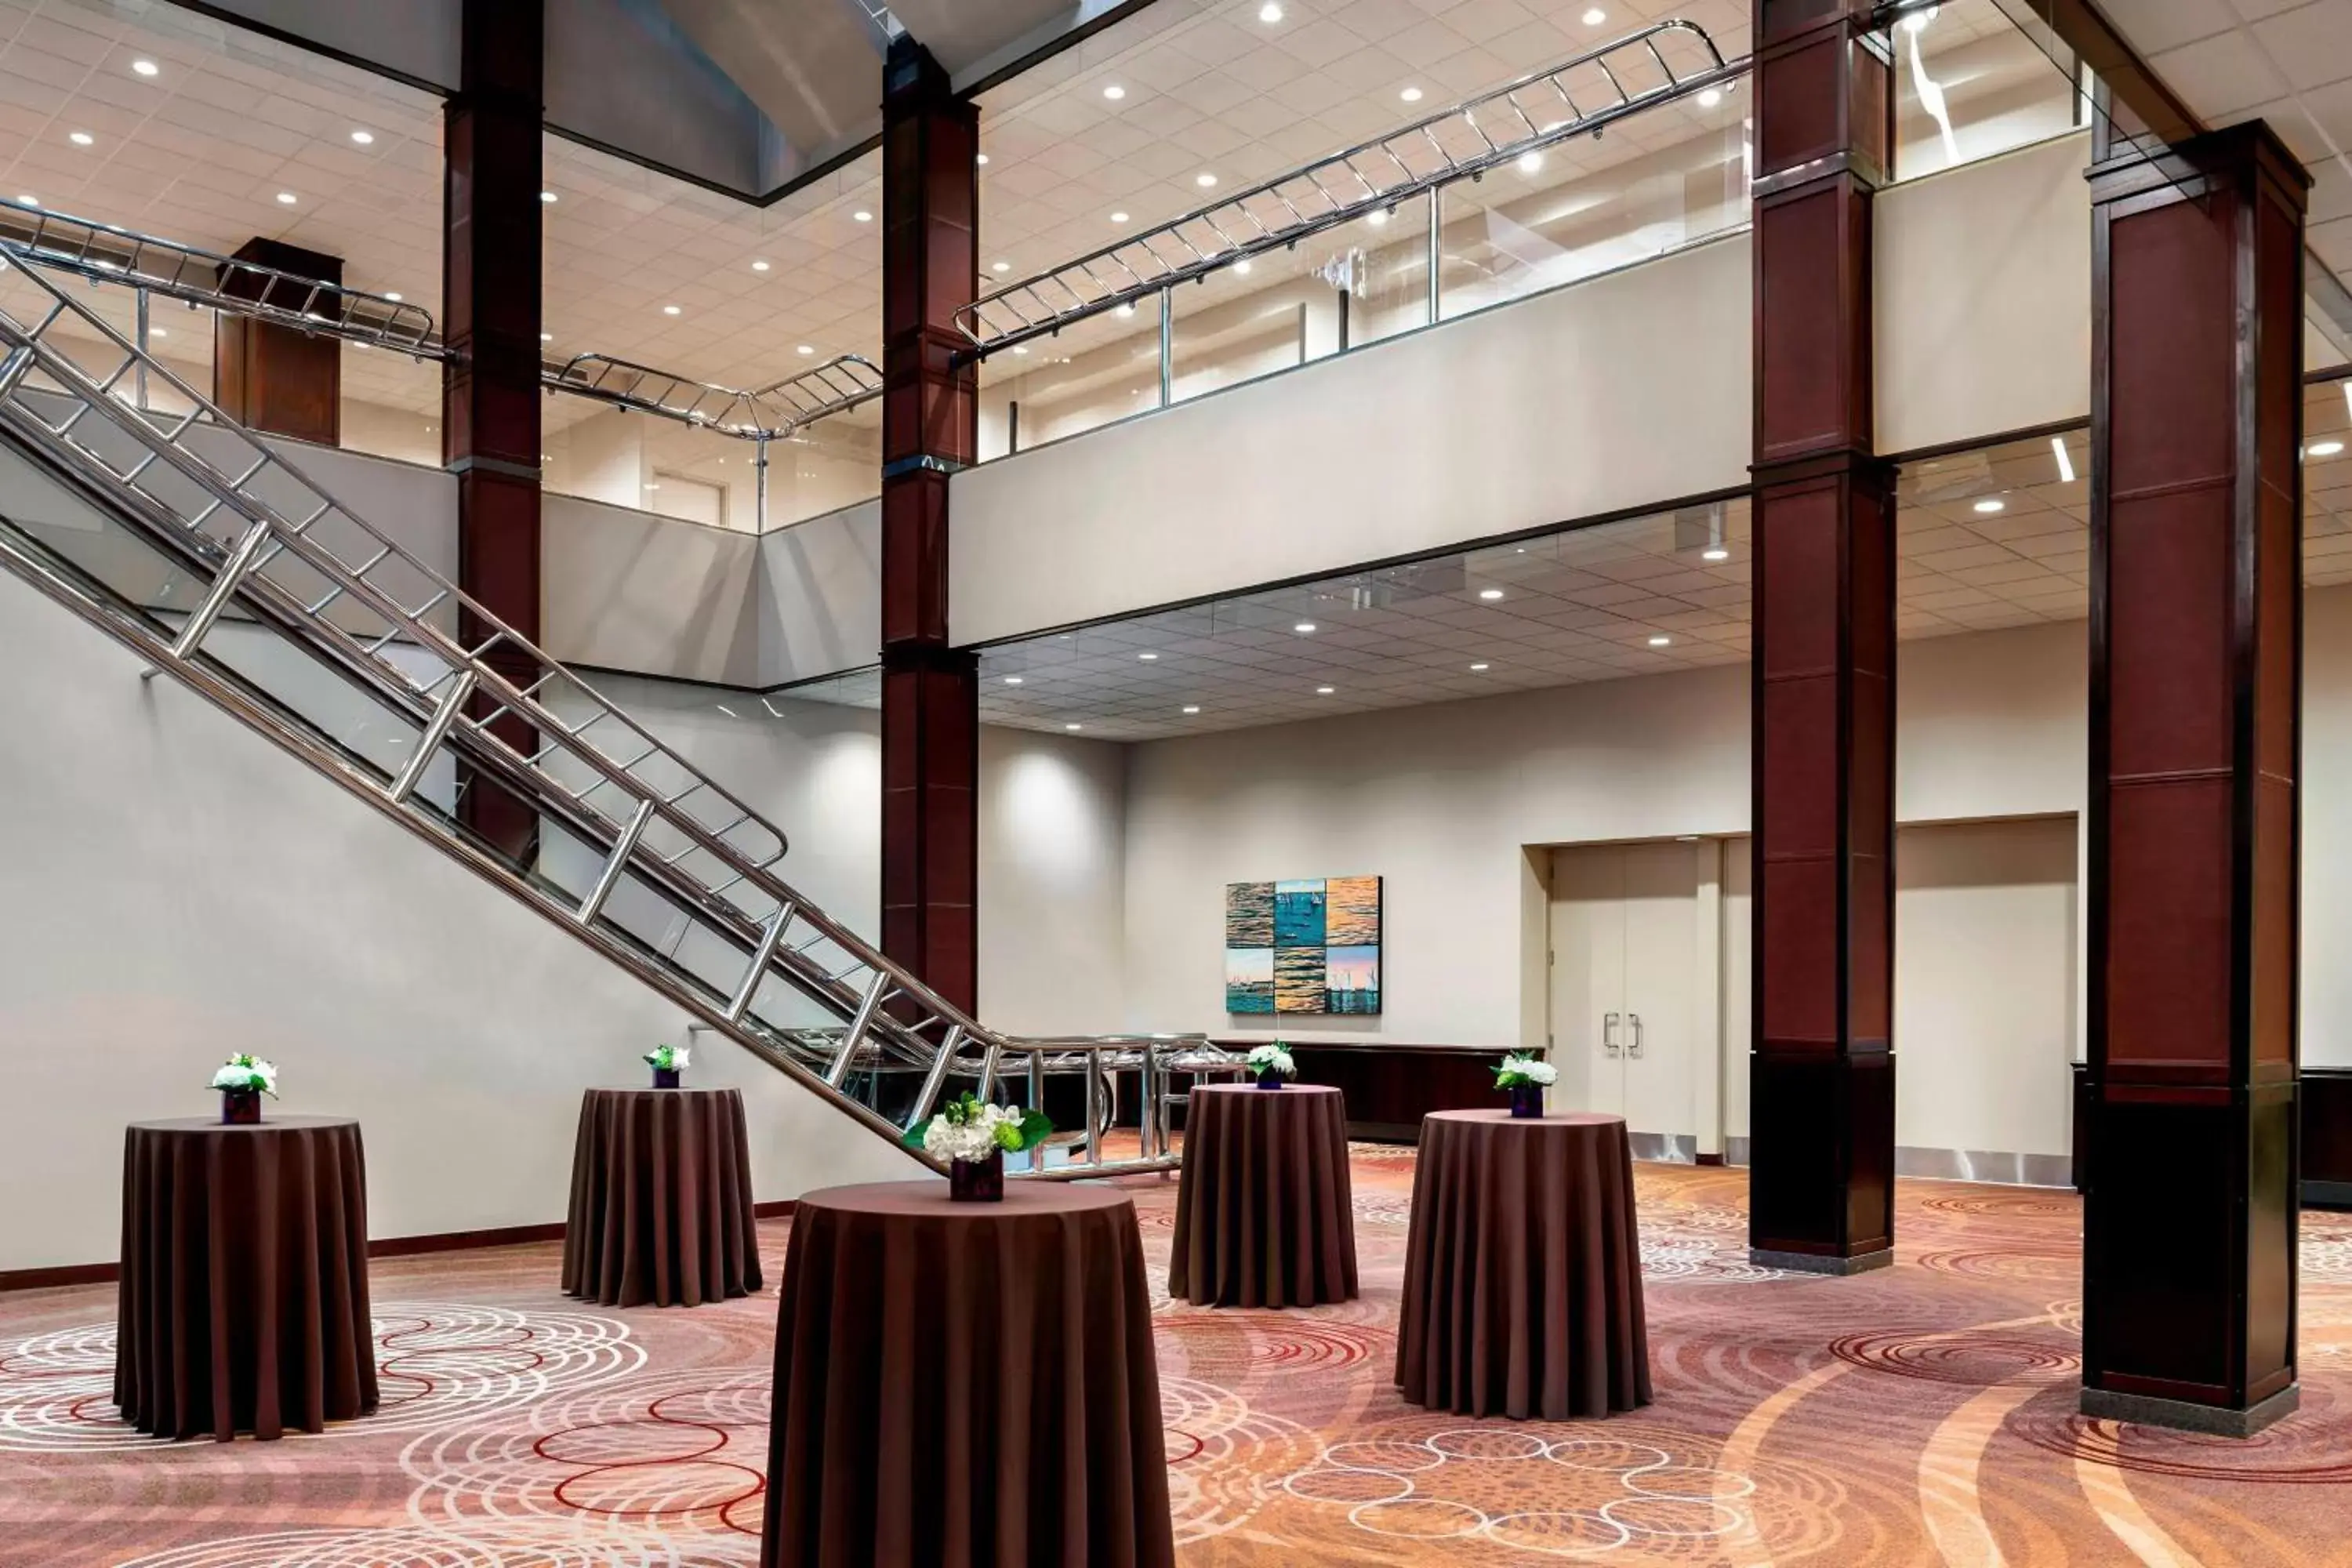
{"x": 548, "y": 197}
{"x": 1660, "y": 642}
{"x": 1480, "y": 666}
{"x": 1377, "y": 219}
{"x": 1124, "y": 310}
{"x": 145, "y": 67}
{"x": 1114, "y": 92}
{"x": 759, "y": 267}
{"x": 80, "y": 138}
{"x": 1710, "y": 97}
{"x": 805, "y": 349}
{"x": 1071, "y": 726}
{"x": 157, "y": 332}
{"x": 1717, "y": 553}
{"x": 1989, "y": 505}
{"x": 1916, "y": 22}
{"x": 1410, "y": 95}
{"x": 653, "y": 487}
{"x": 1242, "y": 268}
{"x": 1119, "y": 218}
{"x": 1011, "y": 680}
{"x": 1325, "y": 690}
{"x": 1147, "y": 657}
{"x": 1595, "y": 16}
{"x": 1194, "y": 707}
{"x": 861, "y": 215}
{"x": 1022, "y": 348}
{"x": 1204, "y": 179}
{"x": 286, "y": 198}
{"x": 30, "y": 201}
{"x": 669, "y": 309}
{"x": 1490, "y": 593}
{"x": 1303, "y": 627}
{"x": 364, "y": 138}
{"x": 1530, "y": 161}
{"x": 547, "y": 337}
{"x": 2325, "y": 448}
{"x": 394, "y": 297}
{"x": 982, "y": 159}
{"x": 1000, "y": 266}
{"x": 1270, "y": 13}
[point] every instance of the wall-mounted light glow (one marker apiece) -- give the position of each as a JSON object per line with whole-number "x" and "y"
{"x": 2066, "y": 459}
{"x": 1988, "y": 506}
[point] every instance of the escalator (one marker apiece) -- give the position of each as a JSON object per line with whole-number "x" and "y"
{"x": 211, "y": 555}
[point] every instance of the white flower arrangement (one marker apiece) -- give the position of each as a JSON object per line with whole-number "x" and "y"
{"x": 1523, "y": 1068}
{"x": 667, "y": 1059}
{"x": 1272, "y": 1058}
{"x": 970, "y": 1128}
{"x": 246, "y": 1071}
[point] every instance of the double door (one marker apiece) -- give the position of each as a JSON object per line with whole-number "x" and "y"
{"x": 1629, "y": 1004}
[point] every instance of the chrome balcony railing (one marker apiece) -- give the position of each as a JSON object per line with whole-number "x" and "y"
{"x": 1579, "y": 97}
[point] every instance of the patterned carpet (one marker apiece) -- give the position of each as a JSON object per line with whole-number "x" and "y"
{"x": 1923, "y": 1414}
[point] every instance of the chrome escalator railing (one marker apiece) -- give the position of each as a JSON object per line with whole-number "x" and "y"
{"x": 644, "y": 854}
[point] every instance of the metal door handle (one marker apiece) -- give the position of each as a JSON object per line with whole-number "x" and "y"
{"x": 1609, "y": 1032}
{"x": 1635, "y": 1048}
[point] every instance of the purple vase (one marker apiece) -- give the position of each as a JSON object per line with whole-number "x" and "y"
{"x": 1269, "y": 1080}
{"x": 664, "y": 1078}
{"x": 977, "y": 1180}
{"x": 240, "y": 1107}
{"x": 1527, "y": 1100}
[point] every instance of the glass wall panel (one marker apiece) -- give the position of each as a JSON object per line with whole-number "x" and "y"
{"x": 1970, "y": 84}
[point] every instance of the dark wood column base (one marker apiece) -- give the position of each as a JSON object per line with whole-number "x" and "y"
{"x": 2219, "y": 1421}
{"x": 1817, "y": 1263}
{"x": 1822, "y": 1184}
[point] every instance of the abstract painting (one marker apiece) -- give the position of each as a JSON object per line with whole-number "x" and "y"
{"x": 1304, "y": 946}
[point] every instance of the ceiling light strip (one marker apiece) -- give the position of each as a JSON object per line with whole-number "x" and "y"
{"x": 1386, "y": 171}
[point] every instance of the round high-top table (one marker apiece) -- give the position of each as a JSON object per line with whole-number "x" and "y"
{"x": 244, "y": 1299}
{"x": 1523, "y": 1268}
{"x": 1264, "y": 1217}
{"x": 966, "y": 1384}
{"x": 661, "y": 1199}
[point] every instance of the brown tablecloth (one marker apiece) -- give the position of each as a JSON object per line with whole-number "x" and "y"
{"x": 1264, "y": 1217}
{"x": 1523, "y": 1268}
{"x": 244, "y": 1298}
{"x": 962, "y": 1385}
{"x": 661, "y": 1199}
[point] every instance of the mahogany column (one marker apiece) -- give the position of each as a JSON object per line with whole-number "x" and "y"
{"x": 930, "y": 427}
{"x": 274, "y": 378}
{"x": 490, "y": 393}
{"x": 1823, "y": 1071}
{"x": 2196, "y": 673}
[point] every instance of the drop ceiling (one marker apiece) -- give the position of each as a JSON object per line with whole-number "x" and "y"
{"x": 1986, "y": 539}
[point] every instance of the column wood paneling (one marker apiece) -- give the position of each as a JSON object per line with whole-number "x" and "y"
{"x": 2195, "y": 752}
{"x": 1822, "y": 1070}
{"x": 930, "y": 427}
{"x": 490, "y": 393}
{"x": 274, "y": 378}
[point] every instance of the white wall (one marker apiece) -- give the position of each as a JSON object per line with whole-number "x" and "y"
{"x": 820, "y": 594}
{"x": 1532, "y": 413}
{"x": 621, "y": 589}
{"x": 1441, "y": 801}
{"x": 185, "y": 890}
{"x": 1981, "y": 287}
